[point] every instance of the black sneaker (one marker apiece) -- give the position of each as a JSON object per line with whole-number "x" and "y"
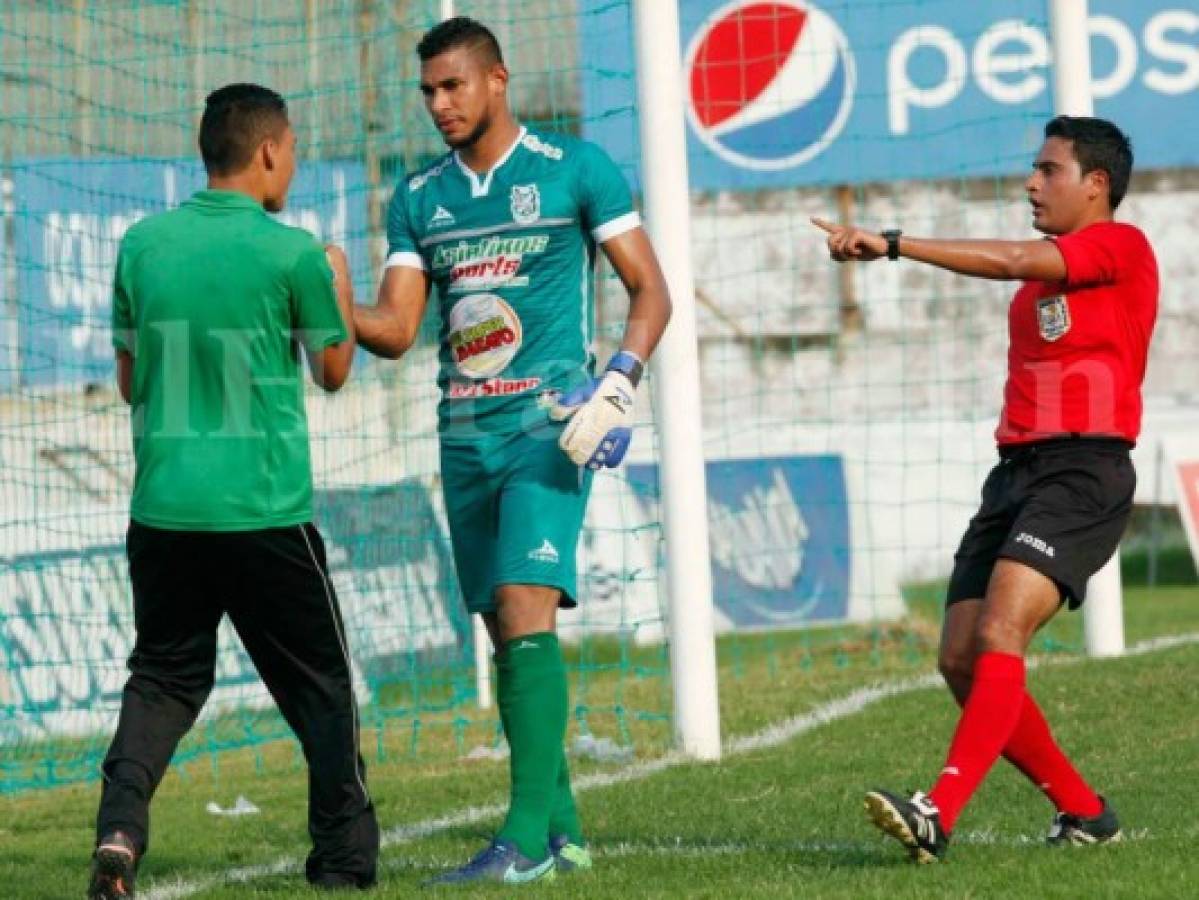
{"x": 1101, "y": 829}
{"x": 339, "y": 881}
{"x": 915, "y": 823}
{"x": 114, "y": 868}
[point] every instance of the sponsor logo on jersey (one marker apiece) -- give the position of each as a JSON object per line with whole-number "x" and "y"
{"x": 770, "y": 83}
{"x": 1053, "y": 317}
{"x": 492, "y": 272}
{"x": 526, "y": 204}
{"x": 489, "y": 263}
{"x": 484, "y": 248}
{"x": 484, "y": 335}
{"x": 441, "y": 218}
{"x": 492, "y": 387}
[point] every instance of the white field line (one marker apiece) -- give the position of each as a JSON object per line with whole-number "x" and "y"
{"x": 682, "y": 847}
{"x": 677, "y": 847}
{"x": 770, "y": 736}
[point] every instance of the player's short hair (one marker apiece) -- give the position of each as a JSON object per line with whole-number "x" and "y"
{"x": 460, "y": 31}
{"x": 237, "y": 119}
{"x": 1098, "y": 146}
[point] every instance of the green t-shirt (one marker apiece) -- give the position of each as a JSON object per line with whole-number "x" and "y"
{"x": 511, "y": 253}
{"x": 210, "y": 299}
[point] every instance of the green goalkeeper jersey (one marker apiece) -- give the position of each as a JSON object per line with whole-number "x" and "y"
{"x": 511, "y": 254}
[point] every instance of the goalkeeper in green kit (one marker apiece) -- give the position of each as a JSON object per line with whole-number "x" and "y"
{"x": 506, "y": 226}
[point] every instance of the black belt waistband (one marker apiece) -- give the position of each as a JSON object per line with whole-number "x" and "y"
{"x": 1065, "y": 442}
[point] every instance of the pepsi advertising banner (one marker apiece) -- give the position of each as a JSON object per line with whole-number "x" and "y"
{"x": 70, "y": 217}
{"x": 779, "y": 534}
{"x": 791, "y": 92}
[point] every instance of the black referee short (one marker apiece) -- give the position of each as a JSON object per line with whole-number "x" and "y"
{"x": 274, "y": 586}
{"x": 1059, "y": 506}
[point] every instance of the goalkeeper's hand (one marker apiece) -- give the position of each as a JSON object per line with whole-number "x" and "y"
{"x": 600, "y": 415}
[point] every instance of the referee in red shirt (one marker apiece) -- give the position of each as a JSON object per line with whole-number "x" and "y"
{"x": 1054, "y": 507}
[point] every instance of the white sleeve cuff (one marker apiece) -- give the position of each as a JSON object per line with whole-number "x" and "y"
{"x": 405, "y": 258}
{"x": 616, "y": 227}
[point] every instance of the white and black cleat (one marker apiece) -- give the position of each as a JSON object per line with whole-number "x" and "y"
{"x": 915, "y": 823}
{"x": 1070, "y": 830}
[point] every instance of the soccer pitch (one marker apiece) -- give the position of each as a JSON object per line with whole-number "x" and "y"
{"x": 808, "y": 729}
{"x": 828, "y": 426}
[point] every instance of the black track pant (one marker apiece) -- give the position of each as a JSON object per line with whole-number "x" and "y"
{"x": 274, "y": 586}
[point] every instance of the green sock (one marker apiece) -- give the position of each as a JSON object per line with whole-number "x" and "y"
{"x": 531, "y": 684}
{"x": 564, "y": 818}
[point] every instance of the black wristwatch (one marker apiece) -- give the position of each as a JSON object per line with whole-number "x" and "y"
{"x": 892, "y": 236}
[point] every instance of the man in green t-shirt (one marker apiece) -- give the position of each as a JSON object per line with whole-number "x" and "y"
{"x": 506, "y": 226}
{"x": 211, "y": 304}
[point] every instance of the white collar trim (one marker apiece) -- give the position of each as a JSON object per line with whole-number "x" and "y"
{"x": 480, "y": 186}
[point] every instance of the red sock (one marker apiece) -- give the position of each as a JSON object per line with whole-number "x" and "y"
{"x": 987, "y": 722}
{"x": 1033, "y": 751}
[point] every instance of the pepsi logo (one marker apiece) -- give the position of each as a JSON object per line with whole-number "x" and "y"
{"x": 770, "y": 83}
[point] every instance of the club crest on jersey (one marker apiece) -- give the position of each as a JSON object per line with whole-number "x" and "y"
{"x": 1053, "y": 317}
{"x": 526, "y": 204}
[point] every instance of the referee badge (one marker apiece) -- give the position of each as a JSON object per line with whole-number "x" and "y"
{"x": 1053, "y": 317}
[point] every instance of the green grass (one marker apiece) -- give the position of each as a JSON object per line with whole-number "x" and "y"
{"x": 784, "y": 821}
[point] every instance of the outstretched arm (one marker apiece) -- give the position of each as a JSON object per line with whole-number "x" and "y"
{"x": 389, "y": 328}
{"x": 1039, "y": 260}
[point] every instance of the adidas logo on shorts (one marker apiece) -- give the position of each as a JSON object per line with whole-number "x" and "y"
{"x": 546, "y": 553}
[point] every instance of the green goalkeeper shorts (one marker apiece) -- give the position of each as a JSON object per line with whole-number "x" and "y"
{"x": 515, "y": 507}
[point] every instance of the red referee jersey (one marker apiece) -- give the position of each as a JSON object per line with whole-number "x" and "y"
{"x": 1077, "y": 348}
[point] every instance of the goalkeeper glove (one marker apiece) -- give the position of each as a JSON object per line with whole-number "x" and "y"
{"x": 600, "y": 415}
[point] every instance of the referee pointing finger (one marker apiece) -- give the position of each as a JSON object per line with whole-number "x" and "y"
{"x": 212, "y": 303}
{"x": 1059, "y": 497}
